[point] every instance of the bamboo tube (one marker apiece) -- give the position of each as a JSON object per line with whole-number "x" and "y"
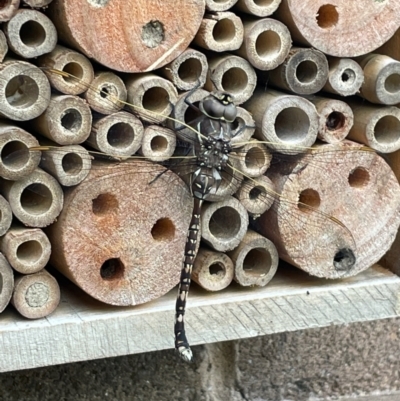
{"x": 133, "y": 219}
{"x": 266, "y": 43}
{"x": 26, "y": 249}
{"x": 5, "y": 216}
{"x": 154, "y": 96}
{"x": 37, "y": 3}
{"x": 71, "y": 62}
{"x": 188, "y": 70}
{"x": 7, "y": 283}
{"x": 334, "y": 28}
{"x": 376, "y": 126}
{"x": 24, "y": 90}
{"x": 16, "y": 161}
{"x": 3, "y": 46}
{"x": 220, "y": 32}
{"x": 141, "y": 35}
{"x": 304, "y": 72}
{"x": 231, "y": 74}
{"x": 158, "y": 143}
{"x": 36, "y": 295}
{"x": 285, "y": 121}
{"x": 30, "y": 33}
{"x": 255, "y": 259}
{"x": 66, "y": 121}
{"x": 345, "y": 77}
{"x": 358, "y": 188}
{"x": 255, "y": 195}
{"x": 381, "y": 79}
{"x": 335, "y": 118}
{"x": 224, "y": 224}
{"x": 104, "y": 91}
{"x": 119, "y": 134}
{"x": 258, "y": 8}
{"x": 36, "y": 200}
{"x": 231, "y": 181}
{"x": 212, "y": 270}
{"x": 68, "y": 164}
{"x": 219, "y": 5}
{"x": 8, "y": 10}
{"x": 243, "y": 127}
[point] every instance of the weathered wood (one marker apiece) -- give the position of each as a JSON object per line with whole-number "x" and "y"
{"x": 220, "y": 32}
{"x": 231, "y": 74}
{"x": 128, "y": 36}
{"x": 345, "y": 76}
{"x": 255, "y": 259}
{"x": 158, "y": 143}
{"x": 266, "y": 42}
{"x": 16, "y": 160}
{"x": 26, "y": 249}
{"x": 212, "y": 270}
{"x": 343, "y": 29}
{"x": 356, "y": 187}
{"x": 30, "y": 33}
{"x": 24, "y": 90}
{"x": 121, "y": 234}
{"x": 258, "y": 8}
{"x": 283, "y": 120}
{"x": 36, "y": 295}
{"x": 3, "y": 46}
{"x": 304, "y": 71}
{"x": 6, "y": 281}
{"x": 220, "y": 5}
{"x": 66, "y": 121}
{"x": 8, "y": 10}
{"x": 215, "y": 231}
{"x": 36, "y": 200}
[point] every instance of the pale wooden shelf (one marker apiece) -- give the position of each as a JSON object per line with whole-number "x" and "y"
{"x": 83, "y": 329}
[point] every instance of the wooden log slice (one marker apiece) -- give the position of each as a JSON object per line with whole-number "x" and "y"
{"x": 129, "y": 35}
{"x": 121, "y": 237}
{"x": 356, "y": 187}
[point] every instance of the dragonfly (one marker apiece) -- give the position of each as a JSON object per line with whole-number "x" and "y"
{"x": 210, "y": 157}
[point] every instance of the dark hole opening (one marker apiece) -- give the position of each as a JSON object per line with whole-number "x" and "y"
{"x": 15, "y": 155}
{"x": 112, "y": 269}
{"x": 163, "y": 230}
{"x": 104, "y": 204}
{"x": 335, "y": 121}
{"x": 217, "y": 269}
{"x": 344, "y": 259}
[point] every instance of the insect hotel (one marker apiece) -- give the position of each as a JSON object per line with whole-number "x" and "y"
{"x": 245, "y": 151}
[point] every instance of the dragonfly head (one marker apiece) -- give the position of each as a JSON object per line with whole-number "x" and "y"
{"x": 219, "y": 106}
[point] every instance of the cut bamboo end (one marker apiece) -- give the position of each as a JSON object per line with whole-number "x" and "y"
{"x": 244, "y": 127}
{"x": 252, "y": 159}
{"x": 304, "y": 72}
{"x": 231, "y": 181}
{"x": 134, "y": 217}
{"x": 285, "y": 121}
{"x": 256, "y": 260}
{"x": 224, "y": 224}
{"x": 119, "y": 134}
{"x": 266, "y": 43}
{"x": 30, "y": 33}
{"x": 345, "y": 77}
{"x": 7, "y": 282}
{"x": 26, "y": 249}
{"x": 188, "y": 70}
{"x": 24, "y": 90}
{"x": 66, "y": 121}
{"x": 36, "y": 295}
{"x": 220, "y": 5}
{"x": 376, "y": 126}
{"x": 37, "y": 3}
{"x": 3, "y": 46}
{"x": 335, "y": 118}
{"x": 107, "y": 93}
{"x": 36, "y": 200}
{"x": 68, "y": 164}
{"x": 334, "y": 29}
{"x": 141, "y": 35}
{"x": 381, "y": 79}
{"x": 212, "y": 270}
{"x": 158, "y": 143}
{"x": 154, "y": 97}
{"x": 231, "y": 74}
{"x": 5, "y": 216}
{"x": 256, "y": 195}
{"x": 8, "y": 10}
{"x": 258, "y": 8}
{"x": 70, "y": 62}
{"x": 16, "y": 161}
{"x": 220, "y": 32}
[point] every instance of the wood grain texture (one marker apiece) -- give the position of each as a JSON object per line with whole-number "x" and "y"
{"x": 82, "y": 328}
{"x": 129, "y": 35}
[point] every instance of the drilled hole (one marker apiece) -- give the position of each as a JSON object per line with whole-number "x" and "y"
{"x": 15, "y": 155}
{"x": 190, "y": 70}
{"x": 292, "y": 125}
{"x": 22, "y": 91}
{"x": 104, "y": 204}
{"x": 268, "y": 45}
{"x": 335, "y": 121}
{"x": 120, "y": 135}
{"x": 163, "y": 230}
{"x": 36, "y": 199}
{"x": 308, "y": 200}
{"x": 234, "y": 80}
{"x": 358, "y": 178}
{"x": 392, "y": 83}
{"x": 344, "y": 259}
{"x": 32, "y": 34}
{"x": 71, "y": 120}
{"x": 156, "y": 99}
{"x": 29, "y": 252}
{"x": 257, "y": 262}
{"x": 158, "y": 144}
{"x": 75, "y": 70}
{"x": 72, "y": 164}
{"x": 219, "y": 228}
{"x": 327, "y": 16}
{"x": 224, "y": 31}
{"x": 153, "y": 33}
{"x": 387, "y": 130}
{"x": 112, "y": 269}
{"x": 217, "y": 269}
{"x": 306, "y": 72}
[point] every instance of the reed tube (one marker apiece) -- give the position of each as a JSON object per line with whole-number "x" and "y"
{"x": 219, "y": 5}
{"x": 6, "y": 282}
{"x": 3, "y": 46}
{"x": 243, "y": 127}
{"x": 5, "y": 216}
{"x": 37, "y": 3}
{"x": 158, "y": 143}
{"x": 258, "y": 8}
{"x": 8, "y": 10}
